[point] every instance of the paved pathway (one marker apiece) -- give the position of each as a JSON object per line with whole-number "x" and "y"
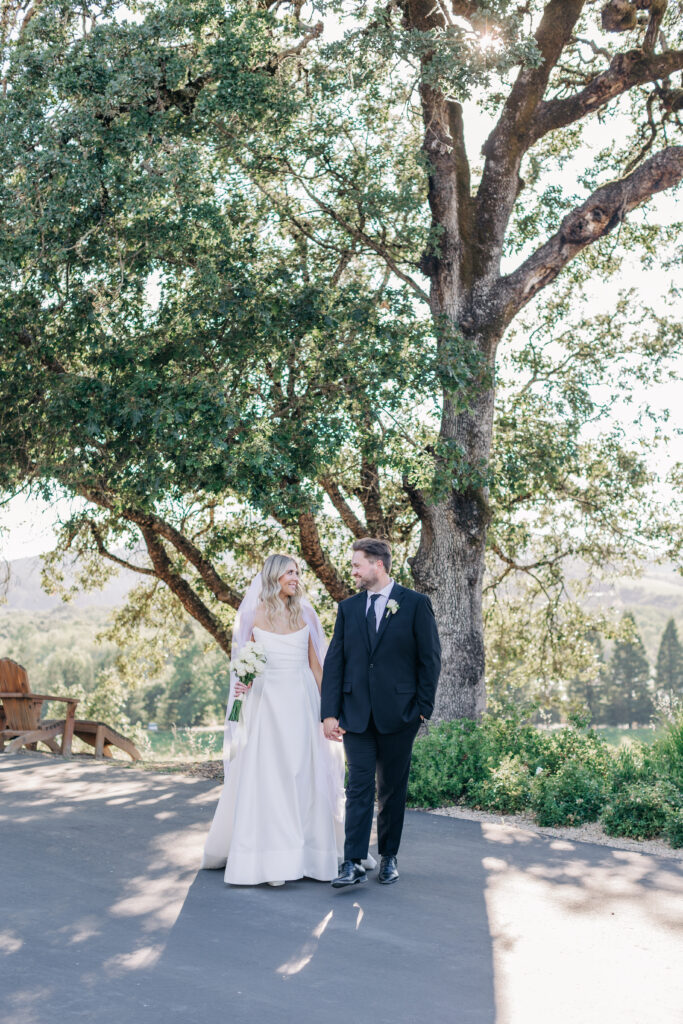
{"x": 104, "y": 916}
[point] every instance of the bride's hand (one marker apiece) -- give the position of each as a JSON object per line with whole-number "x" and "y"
{"x": 240, "y": 688}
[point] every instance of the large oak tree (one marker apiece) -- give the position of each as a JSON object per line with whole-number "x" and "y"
{"x": 244, "y": 263}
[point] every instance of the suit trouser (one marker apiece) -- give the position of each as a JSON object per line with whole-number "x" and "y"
{"x": 386, "y": 755}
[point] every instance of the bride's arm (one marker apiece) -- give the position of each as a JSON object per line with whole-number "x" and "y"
{"x": 316, "y": 668}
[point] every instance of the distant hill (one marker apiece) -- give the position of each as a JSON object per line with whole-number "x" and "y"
{"x": 654, "y": 597}
{"x": 23, "y": 590}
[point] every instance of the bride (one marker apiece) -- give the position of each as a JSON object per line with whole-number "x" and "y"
{"x": 280, "y": 815}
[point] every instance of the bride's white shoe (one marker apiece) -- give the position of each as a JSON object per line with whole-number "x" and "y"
{"x": 369, "y": 863}
{"x": 276, "y": 883}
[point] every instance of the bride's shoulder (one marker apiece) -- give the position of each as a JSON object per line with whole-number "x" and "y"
{"x": 260, "y": 618}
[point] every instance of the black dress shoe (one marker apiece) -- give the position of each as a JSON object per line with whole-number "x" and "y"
{"x": 350, "y": 874}
{"x": 388, "y": 871}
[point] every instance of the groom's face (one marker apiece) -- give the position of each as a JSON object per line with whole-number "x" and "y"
{"x": 365, "y": 572}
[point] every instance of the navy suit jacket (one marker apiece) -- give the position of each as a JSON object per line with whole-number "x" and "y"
{"x": 396, "y": 678}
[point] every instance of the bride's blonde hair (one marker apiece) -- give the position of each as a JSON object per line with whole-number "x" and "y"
{"x": 274, "y": 567}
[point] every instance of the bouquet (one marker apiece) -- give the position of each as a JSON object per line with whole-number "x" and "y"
{"x": 248, "y": 664}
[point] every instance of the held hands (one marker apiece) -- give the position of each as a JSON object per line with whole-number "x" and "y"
{"x": 332, "y": 729}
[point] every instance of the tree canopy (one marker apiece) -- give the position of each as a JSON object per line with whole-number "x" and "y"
{"x": 253, "y": 288}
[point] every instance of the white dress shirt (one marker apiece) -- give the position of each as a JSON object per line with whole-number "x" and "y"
{"x": 380, "y": 603}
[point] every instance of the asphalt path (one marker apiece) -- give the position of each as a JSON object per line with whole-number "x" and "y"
{"x": 104, "y": 915}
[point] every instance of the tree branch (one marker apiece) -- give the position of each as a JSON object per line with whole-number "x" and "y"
{"x": 348, "y": 516}
{"x": 191, "y": 602}
{"x": 625, "y": 71}
{"x": 102, "y": 550}
{"x": 511, "y": 137}
{"x": 601, "y": 212}
{"x": 449, "y": 185}
{"x": 218, "y": 587}
{"x": 312, "y": 550}
{"x": 371, "y": 499}
{"x": 147, "y": 520}
{"x": 359, "y": 235}
{"x": 417, "y": 499}
{"x": 275, "y": 60}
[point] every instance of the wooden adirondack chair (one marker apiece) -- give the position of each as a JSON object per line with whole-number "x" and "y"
{"x": 22, "y": 726}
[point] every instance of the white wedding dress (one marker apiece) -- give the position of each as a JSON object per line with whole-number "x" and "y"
{"x": 280, "y": 815}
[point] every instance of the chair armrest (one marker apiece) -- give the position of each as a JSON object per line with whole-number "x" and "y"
{"x": 38, "y": 696}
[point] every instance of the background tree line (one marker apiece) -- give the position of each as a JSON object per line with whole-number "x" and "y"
{"x": 182, "y": 683}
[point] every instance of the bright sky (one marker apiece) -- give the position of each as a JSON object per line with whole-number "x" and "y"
{"x": 27, "y": 525}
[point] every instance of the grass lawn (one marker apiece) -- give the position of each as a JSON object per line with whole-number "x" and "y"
{"x": 617, "y": 736}
{"x": 203, "y": 744}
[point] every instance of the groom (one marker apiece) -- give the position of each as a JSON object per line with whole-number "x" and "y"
{"x": 379, "y": 681}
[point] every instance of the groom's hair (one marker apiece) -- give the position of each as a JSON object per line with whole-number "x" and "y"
{"x": 375, "y": 549}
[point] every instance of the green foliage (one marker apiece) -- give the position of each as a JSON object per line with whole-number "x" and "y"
{"x": 505, "y": 788}
{"x": 638, "y": 811}
{"x": 149, "y": 679}
{"x": 443, "y": 763}
{"x": 197, "y": 692}
{"x": 573, "y": 794}
{"x": 587, "y": 689}
{"x": 669, "y": 670}
{"x": 668, "y": 749}
{"x": 563, "y": 776}
{"x": 209, "y": 300}
{"x": 673, "y": 826}
{"x": 629, "y": 691}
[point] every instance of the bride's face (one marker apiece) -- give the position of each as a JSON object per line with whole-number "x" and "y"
{"x": 289, "y": 581}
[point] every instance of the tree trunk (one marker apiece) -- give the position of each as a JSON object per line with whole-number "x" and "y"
{"x": 449, "y": 567}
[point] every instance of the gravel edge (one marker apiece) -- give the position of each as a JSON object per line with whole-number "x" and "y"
{"x": 590, "y": 832}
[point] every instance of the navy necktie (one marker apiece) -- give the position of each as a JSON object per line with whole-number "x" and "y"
{"x": 371, "y": 619}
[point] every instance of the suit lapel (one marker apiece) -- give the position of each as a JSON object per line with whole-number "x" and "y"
{"x": 387, "y": 616}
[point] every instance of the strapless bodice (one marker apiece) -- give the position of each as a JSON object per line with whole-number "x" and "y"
{"x": 284, "y": 651}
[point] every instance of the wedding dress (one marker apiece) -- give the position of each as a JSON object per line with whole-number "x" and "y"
{"x": 280, "y": 815}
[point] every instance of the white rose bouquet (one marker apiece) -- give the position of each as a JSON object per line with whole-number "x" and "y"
{"x": 248, "y": 664}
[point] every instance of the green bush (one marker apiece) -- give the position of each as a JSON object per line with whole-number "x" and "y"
{"x": 565, "y": 776}
{"x": 631, "y": 763}
{"x": 673, "y": 826}
{"x": 443, "y": 761}
{"x": 574, "y": 794}
{"x": 667, "y": 752}
{"x": 506, "y": 788}
{"x": 574, "y": 746}
{"x": 638, "y": 810}
{"x": 490, "y": 764}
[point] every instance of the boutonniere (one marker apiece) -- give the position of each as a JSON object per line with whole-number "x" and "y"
{"x": 392, "y": 608}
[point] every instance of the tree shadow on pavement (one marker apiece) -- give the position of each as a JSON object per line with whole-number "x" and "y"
{"x": 418, "y": 950}
{"x": 105, "y": 912}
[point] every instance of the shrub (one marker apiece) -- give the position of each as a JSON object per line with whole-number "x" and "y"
{"x": 506, "y": 789}
{"x": 638, "y": 810}
{"x": 636, "y": 791}
{"x": 567, "y": 745}
{"x": 673, "y": 826}
{"x": 667, "y": 752}
{"x": 574, "y": 794}
{"x": 630, "y": 764}
{"x": 443, "y": 762}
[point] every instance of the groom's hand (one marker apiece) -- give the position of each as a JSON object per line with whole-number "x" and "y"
{"x": 332, "y": 729}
